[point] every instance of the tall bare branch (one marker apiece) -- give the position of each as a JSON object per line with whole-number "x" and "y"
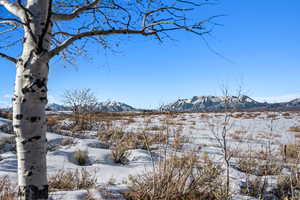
{"x": 75, "y": 13}
{"x": 74, "y": 38}
{"x": 8, "y": 57}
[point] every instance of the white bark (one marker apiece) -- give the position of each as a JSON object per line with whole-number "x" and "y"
{"x": 29, "y": 123}
{"x": 30, "y": 99}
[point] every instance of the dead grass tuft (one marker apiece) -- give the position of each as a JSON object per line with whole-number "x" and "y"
{"x": 288, "y": 187}
{"x": 258, "y": 167}
{"x": 294, "y": 129}
{"x": 72, "y": 180}
{"x": 120, "y": 154}
{"x": 255, "y": 187}
{"x": 290, "y": 151}
{"x": 81, "y": 157}
{"x": 7, "y": 190}
{"x": 286, "y": 114}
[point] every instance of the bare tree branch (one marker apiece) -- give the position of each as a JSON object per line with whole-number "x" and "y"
{"x": 26, "y": 19}
{"x": 11, "y": 20}
{"x": 75, "y": 13}
{"x": 47, "y": 26}
{"x": 8, "y": 58}
{"x": 12, "y": 7}
{"x": 74, "y": 38}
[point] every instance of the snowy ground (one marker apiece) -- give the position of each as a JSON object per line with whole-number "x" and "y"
{"x": 253, "y": 130}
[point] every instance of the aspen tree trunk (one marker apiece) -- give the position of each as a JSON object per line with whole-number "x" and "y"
{"x": 29, "y": 101}
{"x": 30, "y": 127}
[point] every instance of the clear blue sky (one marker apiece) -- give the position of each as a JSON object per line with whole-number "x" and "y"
{"x": 260, "y": 38}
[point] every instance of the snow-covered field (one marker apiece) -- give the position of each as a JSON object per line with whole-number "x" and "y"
{"x": 254, "y": 131}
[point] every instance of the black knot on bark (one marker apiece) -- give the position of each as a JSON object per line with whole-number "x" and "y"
{"x": 43, "y": 99}
{"x": 34, "y": 138}
{"x": 33, "y": 192}
{"x": 40, "y": 83}
{"x": 25, "y": 90}
{"x": 19, "y": 117}
{"x": 34, "y": 119}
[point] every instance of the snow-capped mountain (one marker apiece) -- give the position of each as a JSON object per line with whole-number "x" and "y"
{"x": 291, "y": 105}
{"x": 114, "y": 106}
{"x": 213, "y": 103}
{"x": 56, "y": 107}
{"x": 107, "y": 106}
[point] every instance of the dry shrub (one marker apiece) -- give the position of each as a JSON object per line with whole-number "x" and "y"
{"x": 288, "y": 186}
{"x": 290, "y": 151}
{"x": 110, "y": 136}
{"x": 178, "y": 178}
{"x": 178, "y": 141}
{"x": 294, "y": 129}
{"x": 251, "y": 115}
{"x": 286, "y": 114}
{"x": 254, "y": 187}
{"x": 297, "y": 135}
{"x": 72, "y": 180}
{"x": 132, "y": 140}
{"x": 237, "y": 115}
{"x": 120, "y": 154}
{"x": 272, "y": 116}
{"x": 257, "y": 167}
{"x": 144, "y": 140}
{"x": 156, "y": 128}
{"x": 81, "y": 157}
{"x": 53, "y": 122}
{"x": 7, "y": 190}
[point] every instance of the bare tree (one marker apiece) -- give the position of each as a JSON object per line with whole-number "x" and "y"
{"x": 43, "y": 29}
{"x": 221, "y": 129}
{"x": 83, "y": 104}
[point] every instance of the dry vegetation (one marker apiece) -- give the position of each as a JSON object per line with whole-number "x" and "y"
{"x": 81, "y": 157}
{"x": 255, "y": 187}
{"x": 288, "y": 186}
{"x": 7, "y": 189}
{"x": 187, "y": 177}
{"x": 120, "y": 154}
{"x": 72, "y": 180}
{"x": 294, "y": 129}
{"x": 178, "y": 178}
{"x": 258, "y": 167}
{"x": 290, "y": 151}
{"x": 179, "y": 175}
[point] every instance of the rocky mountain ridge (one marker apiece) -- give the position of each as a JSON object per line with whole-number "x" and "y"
{"x": 194, "y": 104}
{"x": 220, "y": 103}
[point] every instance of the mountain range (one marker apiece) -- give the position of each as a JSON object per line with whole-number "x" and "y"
{"x": 107, "y": 106}
{"x": 194, "y": 104}
{"x": 219, "y": 103}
